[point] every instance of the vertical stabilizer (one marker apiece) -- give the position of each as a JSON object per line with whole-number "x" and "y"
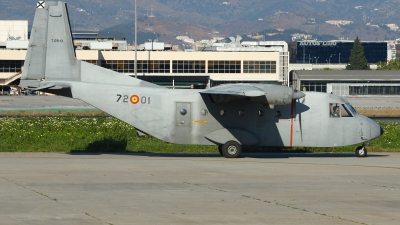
{"x": 51, "y": 55}
{"x": 51, "y": 64}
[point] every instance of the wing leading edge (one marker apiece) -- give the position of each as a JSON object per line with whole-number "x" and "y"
{"x": 263, "y": 93}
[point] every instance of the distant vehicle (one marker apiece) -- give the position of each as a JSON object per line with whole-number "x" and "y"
{"x": 14, "y": 91}
{"x": 27, "y": 92}
{"x": 230, "y": 116}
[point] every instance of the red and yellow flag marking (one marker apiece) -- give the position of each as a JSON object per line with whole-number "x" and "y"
{"x": 134, "y": 99}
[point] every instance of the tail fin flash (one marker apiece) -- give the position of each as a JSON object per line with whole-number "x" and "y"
{"x": 51, "y": 54}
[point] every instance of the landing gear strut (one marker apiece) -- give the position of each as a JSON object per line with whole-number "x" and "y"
{"x": 361, "y": 151}
{"x": 220, "y": 150}
{"x": 231, "y": 149}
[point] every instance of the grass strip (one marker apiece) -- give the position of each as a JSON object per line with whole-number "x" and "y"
{"x": 74, "y": 134}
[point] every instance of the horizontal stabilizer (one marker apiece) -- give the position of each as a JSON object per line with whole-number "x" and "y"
{"x": 49, "y": 85}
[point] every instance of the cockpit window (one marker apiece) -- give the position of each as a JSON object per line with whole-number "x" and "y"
{"x": 337, "y": 110}
{"x": 344, "y": 112}
{"x": 334, "y": 110}
{"x": 350, "y": 107}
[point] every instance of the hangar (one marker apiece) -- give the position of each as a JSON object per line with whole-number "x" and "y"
{"x": 347, "y": 82}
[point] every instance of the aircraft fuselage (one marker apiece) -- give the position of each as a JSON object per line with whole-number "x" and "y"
{"x": 187, "y": 117}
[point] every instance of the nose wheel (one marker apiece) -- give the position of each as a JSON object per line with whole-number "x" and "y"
{"x": 361, "y": 151}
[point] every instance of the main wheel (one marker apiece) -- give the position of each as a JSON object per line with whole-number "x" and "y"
{"x": 231, "y": 149}
{"x": 361, "y": 151}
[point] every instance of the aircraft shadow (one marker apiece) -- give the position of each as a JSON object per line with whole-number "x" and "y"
{"x": 216, "y": 155}
{"x": 118, "y": 147}
{"x": 306, "y": 155}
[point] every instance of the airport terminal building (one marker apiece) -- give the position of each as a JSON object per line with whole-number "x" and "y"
{"x": 264, "y": 62}
{"x": 165, "y": 67}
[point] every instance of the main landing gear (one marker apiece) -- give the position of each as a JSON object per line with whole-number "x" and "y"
{"x": 230, "y": 149}
{"x": 361, "y": 151}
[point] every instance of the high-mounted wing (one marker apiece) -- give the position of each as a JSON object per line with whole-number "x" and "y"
{"x": 263, "y": 93}
{"x": 246, "y": 90}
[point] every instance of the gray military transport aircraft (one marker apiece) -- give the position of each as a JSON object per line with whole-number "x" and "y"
{"x": 230, "y": 116}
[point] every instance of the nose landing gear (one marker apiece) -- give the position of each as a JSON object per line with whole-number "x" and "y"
{"x": 361, "y": 151}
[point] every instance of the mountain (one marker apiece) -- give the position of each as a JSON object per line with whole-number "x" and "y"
{"x": 165, "y": 30}
{"x": 368, "y": 19}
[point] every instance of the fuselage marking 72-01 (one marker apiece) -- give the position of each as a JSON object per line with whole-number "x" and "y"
{"x": 134, "y": 99}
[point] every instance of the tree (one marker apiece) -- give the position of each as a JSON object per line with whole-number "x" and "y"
{"x": 392, "y": 65}
{"x": 357, "y": 59}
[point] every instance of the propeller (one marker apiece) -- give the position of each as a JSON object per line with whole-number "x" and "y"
{"x": 295, "y": 103}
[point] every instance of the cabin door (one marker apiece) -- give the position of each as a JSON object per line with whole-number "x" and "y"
{"x": 183, "y": 122}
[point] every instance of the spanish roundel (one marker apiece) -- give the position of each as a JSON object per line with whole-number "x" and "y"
{"x": 134, "y": 99}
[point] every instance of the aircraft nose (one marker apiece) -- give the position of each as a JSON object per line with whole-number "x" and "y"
{"x": 298, "y": 95}
{"x": 376, "y": 130}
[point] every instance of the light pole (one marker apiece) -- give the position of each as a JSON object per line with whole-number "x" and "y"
{"x": 339, "y": 57}
{"x": 148, "y": 64}
{"x": 135, "y": 40}
{"x": 316, "y": 60}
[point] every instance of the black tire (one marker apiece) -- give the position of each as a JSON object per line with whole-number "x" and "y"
{"x": 220, "y": 149}
{"x": 361, "y": 151}
{"x": 231, "y": 149}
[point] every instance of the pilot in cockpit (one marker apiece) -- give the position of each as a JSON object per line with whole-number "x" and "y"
{"x": 334, "y": 110}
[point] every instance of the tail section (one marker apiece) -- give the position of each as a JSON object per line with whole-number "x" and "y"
{"x": 51, "y": 55}
{"x": 51, "y": 64}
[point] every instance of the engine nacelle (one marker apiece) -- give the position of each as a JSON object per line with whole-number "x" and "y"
{"x": 277, "y": 95}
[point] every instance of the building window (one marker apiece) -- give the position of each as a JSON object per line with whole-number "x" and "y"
{"x": 224, "y": 67}
{"x": 183, "y": 66}
{"x": 143, "y": 66}
{"x": 11, "y": 66}
{"x": 374, "y": 90}
{"x": 259, "y": 66}
{"x": 152, "y": 66}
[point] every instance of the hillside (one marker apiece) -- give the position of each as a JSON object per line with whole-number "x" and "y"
{"x": 164, "y": 30}
{"x": 369, "y": 18}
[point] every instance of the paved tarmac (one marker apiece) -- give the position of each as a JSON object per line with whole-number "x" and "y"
{"x": 199, "y": 189}
{"x": 375, "y": 101}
